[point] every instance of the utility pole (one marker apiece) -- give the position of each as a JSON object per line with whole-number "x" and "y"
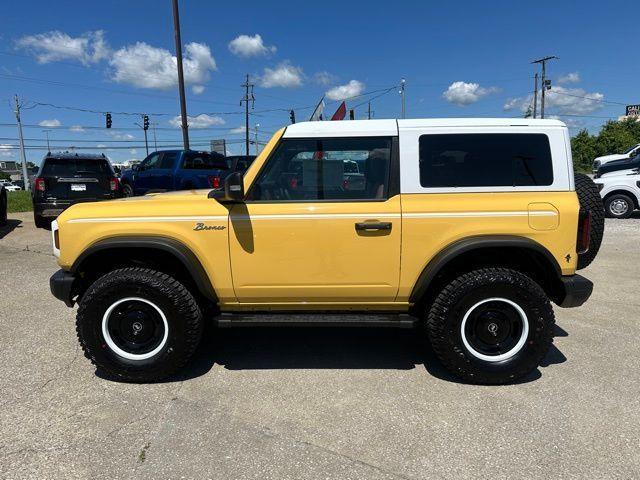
{"x": 255, "y": 132}
{"x": 248, "y": 97}
{"x": 46, "y": 132}
{"x": 369, "y": 111}
{"x": 401, "y": 92}
{"x": 23, "y": 156}
{"x": 183, "y": 100}
{"x": 535, "y": 95}
{"x": 545, "y": 83}
{"x": 155, "y": 142}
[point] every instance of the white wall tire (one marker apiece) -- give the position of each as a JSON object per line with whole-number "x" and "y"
{"x": 108, "y": 307}
{"x": 459, "y": 320}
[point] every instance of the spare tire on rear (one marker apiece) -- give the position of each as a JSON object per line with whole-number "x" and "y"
{"x": 589, "y": 198}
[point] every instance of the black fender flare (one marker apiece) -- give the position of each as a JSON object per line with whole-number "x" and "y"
{"x": 176, "y": 248}
{"x": 451, "y": 251}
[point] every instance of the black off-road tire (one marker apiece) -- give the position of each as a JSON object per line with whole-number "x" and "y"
{"x": 589, "y": 198}
{"x": 611, "y": 201}
{"x": 3, "y": 207}
{"x": 180, "y": 308}
{"x": 445, "y": 317}
{"x": 127, "y": 190}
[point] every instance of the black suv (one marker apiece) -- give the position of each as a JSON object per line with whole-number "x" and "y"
{"x": 67, "y": 178}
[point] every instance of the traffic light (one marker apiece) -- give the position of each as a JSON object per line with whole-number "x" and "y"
{"x": 145, "y": 122}
{"x": 292, "y": 116}
{"x": 108, "y": 115}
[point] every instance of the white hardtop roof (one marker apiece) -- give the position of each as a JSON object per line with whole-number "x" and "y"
{"x": 356, "y": 128}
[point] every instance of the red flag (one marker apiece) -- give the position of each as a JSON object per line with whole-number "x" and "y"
{"x": 340, "y": 112}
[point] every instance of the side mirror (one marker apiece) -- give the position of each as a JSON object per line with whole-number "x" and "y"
{"x": 135, "y": 167}
{"x": 233, "y": 190}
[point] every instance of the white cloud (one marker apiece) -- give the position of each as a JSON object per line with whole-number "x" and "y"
{"x": 88, "y": 48}
{"x": 240, "y": 129}
{"x": 197, "y": 89}
{"x": 463, "y": 93}
{"x": 248, "y": 46}
{"x": 342, "y": 92}
{"x": 76, "y": 128}
{"x": 133, "y": 151}
{"x": 324, "y": 78}
{"x": 6, "y": 150}
{"x": 54, "y": 122}
{"x": 284, "y": 75}
{"x": 120, "y": 135}
{"x": 562, "y": 100}
{"x": 200, "y": 121}
{"x": 101, "y": 145}
{"x": 144, "y": 66}
{"x": 573, "y": 77}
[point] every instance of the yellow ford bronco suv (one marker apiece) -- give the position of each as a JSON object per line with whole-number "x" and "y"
{"x": 467, "y": 228}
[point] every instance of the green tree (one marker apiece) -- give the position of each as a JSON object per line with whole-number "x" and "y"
{"x": 614, "y": 137}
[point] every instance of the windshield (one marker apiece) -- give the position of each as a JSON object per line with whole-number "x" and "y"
{"x": 71, "y": 166}
{"x": 632, "y": 148}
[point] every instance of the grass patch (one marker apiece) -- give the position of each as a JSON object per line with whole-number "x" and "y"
{"x": 19, "y": 201}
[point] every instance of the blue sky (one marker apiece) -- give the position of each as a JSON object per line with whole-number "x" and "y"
{"x": 463, "y": 58}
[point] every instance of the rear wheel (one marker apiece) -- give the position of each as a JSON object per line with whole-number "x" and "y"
{"x": 589, "y": 198}
{"x": 491, "y": 326}
{"x": 127, "y": 190}
{"x": 618, "y": 206}
{"x": 138, "y": 325}
{"x": 41, "y": 222}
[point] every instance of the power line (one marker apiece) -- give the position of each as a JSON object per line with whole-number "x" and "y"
{"x": 587, "y": 98}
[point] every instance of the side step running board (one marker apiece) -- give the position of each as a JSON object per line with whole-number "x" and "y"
{"x": 288, "y": 319}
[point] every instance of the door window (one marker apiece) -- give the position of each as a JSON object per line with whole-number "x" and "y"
{"x": 168, "y": 159}
{"x": 150, "y": 162}
{"x": 325, "y": 169}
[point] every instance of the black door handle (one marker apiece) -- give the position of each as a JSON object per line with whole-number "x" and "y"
{"x": 364, "y": 226}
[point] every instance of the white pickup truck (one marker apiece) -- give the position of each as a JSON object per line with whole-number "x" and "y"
{"x": 632, "y": 152}
{"x": 620, "y": 192}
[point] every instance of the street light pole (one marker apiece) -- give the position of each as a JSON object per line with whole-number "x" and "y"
{"x": 183, "y": 100}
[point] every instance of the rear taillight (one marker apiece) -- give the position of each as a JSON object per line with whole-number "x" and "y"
{"x": 114, "y": 184}
{"x": 214, "y": 181}
{"x": 584, "y": 231}
{"x": 40, "y": 184}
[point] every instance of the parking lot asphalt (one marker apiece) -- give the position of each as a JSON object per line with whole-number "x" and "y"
{"x": 318, "y": 403}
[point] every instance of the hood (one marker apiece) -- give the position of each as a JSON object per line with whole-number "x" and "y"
{"x": 618, "y": 173}
{"x": 179, "y": 203}
{"x": 609, "y": 158}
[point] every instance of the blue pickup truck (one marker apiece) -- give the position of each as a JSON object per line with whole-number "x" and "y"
{"x": 175, "y": 170}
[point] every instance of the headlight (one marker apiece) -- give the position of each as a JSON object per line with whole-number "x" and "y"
{"x": 55, "y": 238}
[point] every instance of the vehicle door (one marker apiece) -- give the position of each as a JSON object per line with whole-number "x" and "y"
{"x": 163, "y": 176}
{"x": 305, "y": 235}
{"x": 146, "y": 173}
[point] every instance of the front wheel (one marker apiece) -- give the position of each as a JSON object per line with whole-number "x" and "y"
{"x": 127, "y": 190}
{"x": 618, "y": 206}
{"x": 491, "y": 326}
{"x": 138, "y": 325}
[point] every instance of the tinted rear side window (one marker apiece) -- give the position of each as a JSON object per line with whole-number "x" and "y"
{"x": 485, "y": 160}
{"x": 72, "y": 166}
